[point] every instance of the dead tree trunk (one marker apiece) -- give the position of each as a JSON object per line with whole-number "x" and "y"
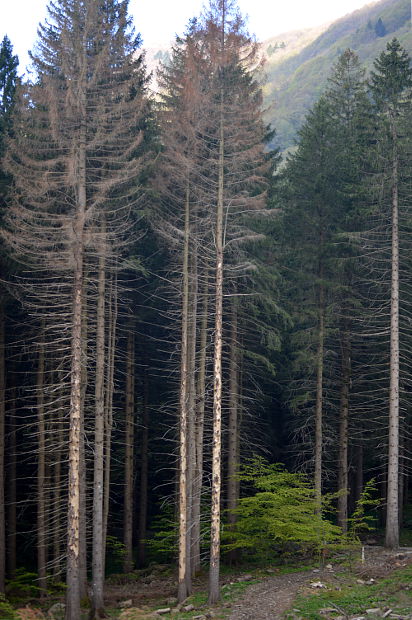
{"x": 99, "y": 436}
{"x": 214, "y": 590}
{"x": 184, "y": 560}
{"x": 144, "y": 470}
{"x": 129, "y": 451}
{"x": 41, "y": 473}
{"x": 233, "y": 426}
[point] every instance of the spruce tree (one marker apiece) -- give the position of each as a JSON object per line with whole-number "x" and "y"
{"x": 391, "y": 87}
{"x": 76, "y": 161}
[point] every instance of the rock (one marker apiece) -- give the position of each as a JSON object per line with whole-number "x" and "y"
{"x": 329, "y": 566}
{"x": 387, "y": 613}
{"x": 360, "y": 582}
{"x": 327, "y": 610}
{"x": 125, "y": 604}
{"x": 188, "y": 608}
{"x": 244, "y": 578}
{"x": 56, "y": 609}
{"x": 317, "y": 584}
{"x": 316, "y": 570}
{"x": 375, "y": 611}
{"x": 165, "y": 610}
{"x": 199, "y": 618}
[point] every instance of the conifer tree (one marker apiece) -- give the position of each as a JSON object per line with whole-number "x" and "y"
{"x": 76, "y": 163}
{"x": 391, "y": 87}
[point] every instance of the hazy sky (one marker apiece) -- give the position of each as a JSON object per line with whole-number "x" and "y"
{"x": 159, "y": 20}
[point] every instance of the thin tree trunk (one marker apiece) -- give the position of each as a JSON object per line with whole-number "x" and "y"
{"x": 214, "y": 590}
{"x": 108, "y": 414}
{"x": 129, "y": 451}
{"x": 319, "y": 395}
{"x": 57, "y": 505}
{"x": 184, "y": 560}
{"x": 199, "y": 429}
{"x": 191, "y": 356}
{"x": 11, "y": 486}
{"x": 144, "y": 471}
{"x": 392, "y": 513}
{"x": 343, "y": 486}
{"x": 233, "y": 427}
{"x": 41, "y": 474}
{"x": 83, "y": 476}
{"x": 2, "y": 439}
{"x": 99, "y": 431}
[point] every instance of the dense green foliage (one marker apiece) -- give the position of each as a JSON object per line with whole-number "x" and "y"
{"x": 279, "y": 515}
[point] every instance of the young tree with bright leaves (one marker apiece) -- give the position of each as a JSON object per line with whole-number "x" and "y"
{"x": 76, "y": 160}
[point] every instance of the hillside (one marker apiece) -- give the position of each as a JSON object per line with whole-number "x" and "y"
{"x": 298, "y": 64}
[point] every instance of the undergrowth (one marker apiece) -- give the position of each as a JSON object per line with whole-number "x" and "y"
{"x": 394, "y": 591}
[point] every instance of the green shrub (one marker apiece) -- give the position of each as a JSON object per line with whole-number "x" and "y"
{"x": 280, "y": 516}
{"x": 6, "y": 610}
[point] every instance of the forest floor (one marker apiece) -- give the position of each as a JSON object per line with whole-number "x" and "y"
{"x": 378, "y": 587}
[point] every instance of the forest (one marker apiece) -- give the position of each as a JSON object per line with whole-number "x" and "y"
{"x": 205, "y": 347}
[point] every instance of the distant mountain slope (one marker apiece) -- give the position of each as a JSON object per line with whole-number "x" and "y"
{"x": 296, "y": 75}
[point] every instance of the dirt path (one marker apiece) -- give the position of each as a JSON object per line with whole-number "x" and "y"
{"x": 270, "y": 598}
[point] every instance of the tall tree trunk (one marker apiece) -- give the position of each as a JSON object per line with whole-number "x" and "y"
{"x": 2, "y": 439}
{"x": 214, "y": 591}
{"x": 199, "y": 429}
{"x": 191, "y": 356}
{"x": 76, "y": 409}
{"x": 392, "y": 513}
{"x": 233, "y": 426}
{"x": 11, "y": 482}
{"x": 41, "y": 473}
{"x": 108, "y": 408}
{"x": 144, "y": 469}
{"x": 129, "y": 451}
{"x": 99, "y": 431}
{"x": 56, "y": 498}
{"x": 184, "y": 560}
{"x": 319, "y": 394}
{"x": 83, "y": 477}
{"x": 343, "y": 487}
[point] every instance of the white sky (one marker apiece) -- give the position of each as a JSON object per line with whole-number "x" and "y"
{"x": 159, "y": 20}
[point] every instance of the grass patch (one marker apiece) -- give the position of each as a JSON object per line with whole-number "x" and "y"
{"x": 394, "y": 592}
